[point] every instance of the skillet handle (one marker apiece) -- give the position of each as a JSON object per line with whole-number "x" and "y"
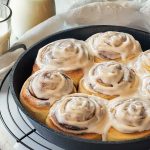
{"x": 4, "y": 70}
{"x": 17, "y": 46}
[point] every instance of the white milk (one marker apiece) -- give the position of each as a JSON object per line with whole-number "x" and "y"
{"x": 4, "y": 37}
{"x": 28, "y": 13}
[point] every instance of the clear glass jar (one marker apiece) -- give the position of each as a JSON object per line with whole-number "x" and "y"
{"x": 28, "y": 13}
{"x": 5, "y": 27}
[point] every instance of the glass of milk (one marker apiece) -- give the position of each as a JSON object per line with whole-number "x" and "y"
{"x": 5, "y": 28}
{"x": 28, "y": 13}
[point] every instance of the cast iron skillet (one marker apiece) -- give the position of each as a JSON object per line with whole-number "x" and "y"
{"x": 22, "y": 70}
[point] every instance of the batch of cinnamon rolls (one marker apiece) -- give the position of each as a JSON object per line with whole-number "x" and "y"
{"x": 97, "y": 89}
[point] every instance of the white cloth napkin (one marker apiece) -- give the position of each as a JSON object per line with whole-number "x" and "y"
{"x": 127, "y": 13}
{"x": 76, "y": 3}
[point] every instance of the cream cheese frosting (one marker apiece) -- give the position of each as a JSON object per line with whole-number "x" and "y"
{"x": 111, "y": 78}
{"x": 46, "y": 84}
{"x": 130, "y": 115}
{"x": 113, "y": 45}
{"x": 64, "y": 54}
{"x": 145, "y": 86}
{"x": 79, "y": 113}
{"x": 142, "y": 64}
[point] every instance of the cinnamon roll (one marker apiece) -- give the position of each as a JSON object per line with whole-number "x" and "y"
{"x": 145, "y": 86}
{"x": 42, "y": 89}
{"x": 130, "y": 118}
{"x": 68, "y": 55}
{"x": 80, "y": 115}
{"x": 113, "y": 45}
{"x": 142, "y": 64}
{"x": 109, "y": 80}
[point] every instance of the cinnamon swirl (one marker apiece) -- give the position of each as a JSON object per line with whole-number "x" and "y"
{"x": 68, "y": 55}
{"x": 80, "y": 115}
{"x": 42, "y": 89}
{"x": 130, "y": 118}
{"x": 113, "y": 45}
{"x": 109, "y": 80}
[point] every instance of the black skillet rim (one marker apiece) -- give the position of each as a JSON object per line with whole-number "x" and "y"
{"x": 61, "y": 134}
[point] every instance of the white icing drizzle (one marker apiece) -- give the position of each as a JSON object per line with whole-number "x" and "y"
{"x": 130, "y": 115}
{"x": 65, "y": 55}
{"x": 84, "y": 113}
{"x": 142, "y": 63}
{"x": 111, "y": 78}
{"x": 48, "y": 84}
{"x": 145, "y": 86}
{"x": 112, "y": 45}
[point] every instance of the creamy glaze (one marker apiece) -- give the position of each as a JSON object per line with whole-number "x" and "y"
{"x": 111, "y": 78}
{"x": 113, "y": 45}
{"x": 130, "y": 115}
{"x": 81, "y": 113}
{"x": 84, "y": 113}
{"x": 145, "y": 86}
{"x": 51, "y": 85}
{"x": 142, "y": 64}
{"x": 65, "y": 55}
